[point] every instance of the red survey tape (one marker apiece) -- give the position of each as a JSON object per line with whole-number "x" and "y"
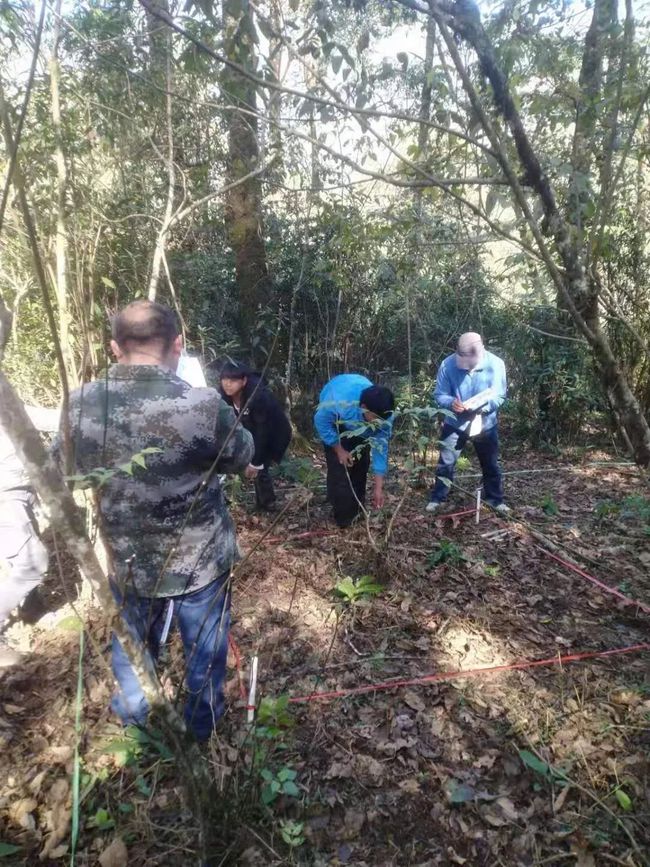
{"x": 612, "y": 590}
{"x": 469, "y": 672}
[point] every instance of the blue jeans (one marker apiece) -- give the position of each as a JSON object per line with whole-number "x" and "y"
{"x": 203, "y": 618}
{"x": 486, "y": 446}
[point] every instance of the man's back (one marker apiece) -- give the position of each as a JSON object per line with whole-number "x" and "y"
{"x": 167, "y": 523}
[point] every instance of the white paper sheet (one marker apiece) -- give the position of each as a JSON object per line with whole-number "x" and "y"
{"x": 479, "y": 399}
{"x": 190, "y": 370}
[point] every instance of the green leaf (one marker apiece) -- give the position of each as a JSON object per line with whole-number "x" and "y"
{"x": 460, "y": 793}
{"x": 269, "y": 794}
{"x": 140, "y": 461}
{"x": 70, "y": 624}
{"x": 109, "y": 283}
{"x": 142, "y": 786}
{"x": 346, "y": 54}
{"x": 531, "y": 761}
{"x": 8, "y": 849}
{"x": 291, "y": 789}
{"x": 623, "y": 799}
{"x": 103, "y": 821}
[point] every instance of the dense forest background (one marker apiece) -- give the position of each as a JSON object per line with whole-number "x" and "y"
{"x": 325, "y": 186}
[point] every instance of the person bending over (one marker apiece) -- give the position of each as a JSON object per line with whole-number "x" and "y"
{"x": 262, "y": 414}
{"x": 354, "y": 421}
{"x": 472, "y": 384}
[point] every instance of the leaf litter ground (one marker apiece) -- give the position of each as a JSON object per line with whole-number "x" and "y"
{"x": 540, "y": 766}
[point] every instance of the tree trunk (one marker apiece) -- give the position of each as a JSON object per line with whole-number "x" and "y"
{"x": 168, "y": 159}
{"x": 586, "y": 140}
{"x": 243, "y": 213}
{"x": 61, "y": 278}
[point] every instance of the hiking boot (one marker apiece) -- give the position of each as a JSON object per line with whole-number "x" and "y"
{"x": 502, "y": 510}
{"x": 433, "y": 507}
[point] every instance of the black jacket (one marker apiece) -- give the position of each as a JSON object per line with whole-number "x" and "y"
{"x": 264, "y": 417}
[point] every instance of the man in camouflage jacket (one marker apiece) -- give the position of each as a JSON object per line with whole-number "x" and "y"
{"x": 156, "y": 446}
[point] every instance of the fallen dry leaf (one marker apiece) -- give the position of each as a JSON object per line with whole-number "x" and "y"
{"x": 341, "y": 770}
{"x": 353, "y": 822}
{"x": 410, "y": 786}
{"x": 20, "y": 813}
{"x": 413, "y": 700}
{"x": 57, "y": 816}
{"x": 115, "y": 854}
{"x": 369, "y": 770}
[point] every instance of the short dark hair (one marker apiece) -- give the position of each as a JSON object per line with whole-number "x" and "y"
{"x": 234, "y": 370}
{"x": 142, "y": 322}
{"x": 378, "y": 399}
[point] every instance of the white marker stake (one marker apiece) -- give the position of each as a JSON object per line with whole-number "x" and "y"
{"x": 478, "y": 505}
{"x": 250, "y": 707}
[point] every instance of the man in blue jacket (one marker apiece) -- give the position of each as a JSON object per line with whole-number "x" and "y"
{"x": 354, "y": 422}
{"x": 472, "y": 384}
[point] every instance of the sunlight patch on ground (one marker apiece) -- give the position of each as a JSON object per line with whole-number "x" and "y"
{"x": 466, "y": 647}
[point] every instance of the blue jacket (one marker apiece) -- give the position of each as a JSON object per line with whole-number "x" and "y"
{"x": 339, "y": 408}
{"x": 452, "y": 383}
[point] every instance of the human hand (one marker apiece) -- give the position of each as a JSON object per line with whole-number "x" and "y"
{"x": 345, "y": 458}
{"x": 458, "y": 406}
{"x": 251, "y": 472}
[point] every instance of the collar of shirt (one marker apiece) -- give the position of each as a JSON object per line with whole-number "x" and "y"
{"x": 139, "y": 371}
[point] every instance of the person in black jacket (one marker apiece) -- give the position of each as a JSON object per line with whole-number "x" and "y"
{"x": 261, "y": 414}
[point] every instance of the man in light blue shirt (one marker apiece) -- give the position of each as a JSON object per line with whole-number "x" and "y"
{"x": 472, "y": 384}
{"x": 354, "y": 422}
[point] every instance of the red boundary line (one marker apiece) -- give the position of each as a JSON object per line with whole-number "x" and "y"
{"x": 240, "y": 677}
{"x": 603, "y": 586}
{"x": 469, "y": 672}
{"x": 314, "y": 534}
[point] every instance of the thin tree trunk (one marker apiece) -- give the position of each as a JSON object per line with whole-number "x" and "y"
{"x": 243, "y": 212}
{"x": 39, "y": 268}
{"x": 161, "y": 240}
{"x": 276, "y": 55}
{"x": 424, "y": 116}
{"x": 61, "y": 279}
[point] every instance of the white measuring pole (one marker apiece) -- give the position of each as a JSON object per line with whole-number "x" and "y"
{"x": 250, "y": 707}
{"x": 478, "y": 505}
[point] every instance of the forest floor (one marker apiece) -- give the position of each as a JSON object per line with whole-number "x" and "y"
{"x": 542, "y": 765}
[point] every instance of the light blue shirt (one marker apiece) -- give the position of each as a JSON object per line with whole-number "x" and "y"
{"x": 339, "y": 408}
{"x": 456, "y": 384}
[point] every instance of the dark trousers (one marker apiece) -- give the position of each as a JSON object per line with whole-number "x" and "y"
{"x": 346, "y": 486}
{"x": 486, "y": 446}
{"x": 264, "y": 491}
{"x": 203, "y": 618}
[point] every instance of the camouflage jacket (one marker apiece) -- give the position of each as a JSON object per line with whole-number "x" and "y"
{"x": 166, "y": 522}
